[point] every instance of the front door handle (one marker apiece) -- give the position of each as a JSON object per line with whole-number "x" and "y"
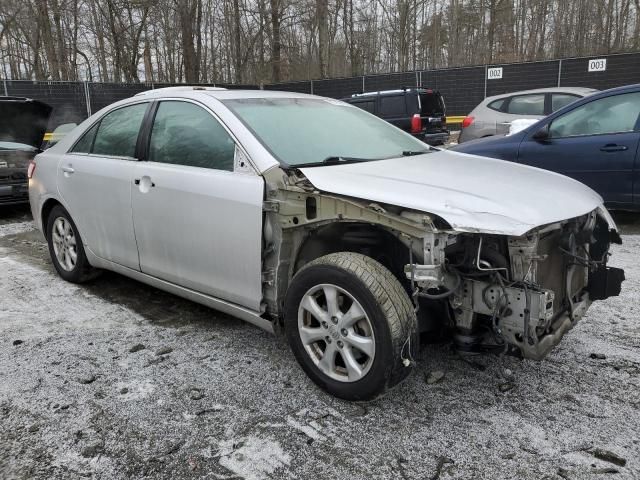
{"x": 612, "y": 147}
{"x": 68, "y": 169}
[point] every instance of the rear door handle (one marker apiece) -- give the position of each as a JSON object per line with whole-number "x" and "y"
{"x": 611, "y": 147}
{"x": 68, "y": 169}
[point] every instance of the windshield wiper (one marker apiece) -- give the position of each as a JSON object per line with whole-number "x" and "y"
{"x": 335, "y": 160}
{"x": 410, "y": 153}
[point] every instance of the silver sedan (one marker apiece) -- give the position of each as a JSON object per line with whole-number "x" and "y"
{"x": 311, "y": 217}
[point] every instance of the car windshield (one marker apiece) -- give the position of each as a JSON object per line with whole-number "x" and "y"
{"x": 306, "y": 131}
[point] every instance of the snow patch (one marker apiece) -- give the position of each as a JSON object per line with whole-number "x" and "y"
{"x": 137, "y": 390}
{"x": 16, "y": 228}
{"x": 252, "y": 458}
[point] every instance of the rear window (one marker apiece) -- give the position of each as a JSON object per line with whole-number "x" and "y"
{"x": 392, "y": 105}
{"x": 431, "y": 104}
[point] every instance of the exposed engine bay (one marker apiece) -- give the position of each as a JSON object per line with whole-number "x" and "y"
{"x": 517, "y": 295}
{"x": 495, "y": 292}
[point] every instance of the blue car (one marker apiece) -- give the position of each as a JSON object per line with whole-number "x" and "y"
{"x": 594, "y": 140}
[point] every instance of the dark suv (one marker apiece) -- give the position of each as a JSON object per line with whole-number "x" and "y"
{"x": 419, "y": 111}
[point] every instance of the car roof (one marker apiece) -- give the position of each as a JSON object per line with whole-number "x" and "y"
{"x": 577, "y": 90}
{"x": 395, "y": 91}
{"x": 219, "y": 93}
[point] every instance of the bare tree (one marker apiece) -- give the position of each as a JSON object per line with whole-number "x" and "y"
{"x": 254, "y": 41}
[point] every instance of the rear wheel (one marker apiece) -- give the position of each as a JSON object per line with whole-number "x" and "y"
{"x": 65, "y": 247}
{"x": 351, "y": 325}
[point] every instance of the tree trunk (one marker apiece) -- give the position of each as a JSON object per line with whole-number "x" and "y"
{"x": 276, "y": 47}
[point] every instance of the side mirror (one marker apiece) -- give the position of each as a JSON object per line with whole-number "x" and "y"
{"x": 542, "y": 134}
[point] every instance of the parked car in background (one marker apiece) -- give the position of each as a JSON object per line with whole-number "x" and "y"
{"x": 418, "y": 111}
{"x": 23, "y": 123}
{"x": 594, "y": 140}
{"x": 494, "y": 115}
{"x": 306, "y": 215}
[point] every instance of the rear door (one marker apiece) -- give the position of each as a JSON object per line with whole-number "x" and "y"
{"x": 595, "y": 143}
{"x": 393, "y": 109}
{"x": 528, "y": 106}
{"x": 94, "y": 179}
{"x": 198, "y": 221}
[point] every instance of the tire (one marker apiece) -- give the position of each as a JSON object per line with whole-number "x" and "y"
{"x": 75, "y": 271}
{"x": 387, "y": 331}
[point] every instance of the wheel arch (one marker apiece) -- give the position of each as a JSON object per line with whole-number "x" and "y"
{"x": 368, "y": 239}
{"x": 45, "y": 211}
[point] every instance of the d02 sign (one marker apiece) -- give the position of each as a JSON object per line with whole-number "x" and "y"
{"x": 494, "y": 73}
{"x": 597, "y": 65}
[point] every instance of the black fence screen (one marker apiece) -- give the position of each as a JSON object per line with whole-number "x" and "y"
{"x": 462, "y": 88}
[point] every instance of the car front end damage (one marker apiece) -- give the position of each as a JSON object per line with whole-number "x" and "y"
{"x": 517, "y": 294}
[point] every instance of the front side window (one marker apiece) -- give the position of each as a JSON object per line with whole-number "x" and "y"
{"x": 527, "y": 105}
{"x": 615, "y": 114}
{"x": 186, "y": 134}
{"x": 301, "y": 131}
{"x": 559, "y": 100}
{"x": 117, "y": 132}
{"x": 392, "y": 105}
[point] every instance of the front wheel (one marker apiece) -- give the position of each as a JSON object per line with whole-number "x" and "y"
{"x": 351, "y": 325}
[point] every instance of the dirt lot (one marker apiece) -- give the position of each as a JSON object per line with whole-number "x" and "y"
{"x": 119, "y": 380}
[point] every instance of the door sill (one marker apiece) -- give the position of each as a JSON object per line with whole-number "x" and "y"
{"x": 242, "y": 313}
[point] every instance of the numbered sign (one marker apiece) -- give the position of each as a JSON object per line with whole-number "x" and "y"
{"x": 597, "y": 65}
{"x": 494, "y": 73}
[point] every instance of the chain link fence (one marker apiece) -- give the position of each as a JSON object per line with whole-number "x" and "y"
{"x": 463, "y": 88}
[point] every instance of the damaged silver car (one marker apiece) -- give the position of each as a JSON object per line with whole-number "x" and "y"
{"x": 311, "y": 217}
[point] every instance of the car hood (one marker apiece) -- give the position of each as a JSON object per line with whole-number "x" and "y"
{"x": 23, "y": 120}
{"x": 471, "y": 193}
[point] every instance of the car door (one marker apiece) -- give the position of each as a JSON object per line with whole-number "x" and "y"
{"x": 94, "y": 179}
{"x": 393, "y": 109}
{"x": 595, "y": 143}
{"x": 198, "y": 221}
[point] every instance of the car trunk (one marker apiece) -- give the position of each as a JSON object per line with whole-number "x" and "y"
{"x": 23, "y": 123}
{"x": 23, "y": 120}
{"x": 433, "y": 111}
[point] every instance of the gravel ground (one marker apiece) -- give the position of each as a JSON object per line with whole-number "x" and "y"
{"x": 118, "y": 380}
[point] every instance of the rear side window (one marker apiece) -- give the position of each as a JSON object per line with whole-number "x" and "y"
{"x": 497, "y": 105}
{"x": 559, "y": 100}
{"x": 118, "y": 131}
{"x": 86, "y": 141}
{"x": 392, "y": 105}
{"x": 367, "y": 105}
{"x": 527, "y": 104}
{"x": 186, "y": 134}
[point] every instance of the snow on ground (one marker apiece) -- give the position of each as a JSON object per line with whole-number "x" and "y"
{"x": 118, "y": 380}
{"x": 16, "y": 228}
